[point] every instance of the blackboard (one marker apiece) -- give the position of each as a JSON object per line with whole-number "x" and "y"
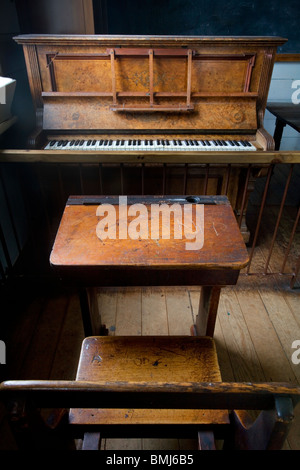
{"x": 206, "y": 18}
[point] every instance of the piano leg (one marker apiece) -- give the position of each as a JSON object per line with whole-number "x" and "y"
{"x": 245, "y": 184}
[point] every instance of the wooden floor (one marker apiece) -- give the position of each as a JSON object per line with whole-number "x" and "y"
{"x": 258, "y": 320}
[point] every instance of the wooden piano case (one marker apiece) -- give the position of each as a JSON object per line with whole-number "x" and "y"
{"x": 156, "y": 85}
{"x": 151, "y": 87}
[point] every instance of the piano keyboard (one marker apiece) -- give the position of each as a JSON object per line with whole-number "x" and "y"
{"x": 151, "y": 145}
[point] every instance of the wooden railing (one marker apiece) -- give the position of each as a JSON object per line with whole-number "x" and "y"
{"x": 45, "y": 179}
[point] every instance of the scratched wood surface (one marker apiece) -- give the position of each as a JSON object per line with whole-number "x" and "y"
{"x": 148, "y": 359}
{"x": 81, "y": 243}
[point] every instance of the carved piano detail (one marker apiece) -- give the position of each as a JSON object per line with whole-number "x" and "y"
{"x": 148, "y": 93}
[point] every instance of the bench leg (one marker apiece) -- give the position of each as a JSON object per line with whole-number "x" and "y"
{"x": 91, "y": 441}
{"x": 278, "y": 133}
{"x": 206, "y": 440}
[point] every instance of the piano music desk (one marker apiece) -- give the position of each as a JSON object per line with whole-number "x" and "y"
{"x": 83, "y": 259}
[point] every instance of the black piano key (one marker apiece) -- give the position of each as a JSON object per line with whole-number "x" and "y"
{"x": 53, "y": 142}
{"x": 94, "y": 142}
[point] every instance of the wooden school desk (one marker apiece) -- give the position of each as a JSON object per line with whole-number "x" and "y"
{"x": 87, "y": 261}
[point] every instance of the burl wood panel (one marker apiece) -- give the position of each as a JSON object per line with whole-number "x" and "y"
{"x": 148, "y": 360}
{"x": 85, "y": 82}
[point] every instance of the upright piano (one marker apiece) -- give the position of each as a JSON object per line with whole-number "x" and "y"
{"x": 149, "y": 94}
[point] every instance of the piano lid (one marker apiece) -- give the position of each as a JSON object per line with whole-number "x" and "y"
{"x": 142, "y": 83}
{"x": 168, "y": 40}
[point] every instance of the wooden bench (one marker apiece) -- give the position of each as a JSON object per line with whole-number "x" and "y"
{"x": 153, "y": 387}
{"x": 286, "y": 114}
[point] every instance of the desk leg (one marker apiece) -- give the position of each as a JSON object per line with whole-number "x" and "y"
{"x": 208, "y": 308}
{"x": 90, "y": 312}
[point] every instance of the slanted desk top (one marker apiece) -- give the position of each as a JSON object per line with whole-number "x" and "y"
{"x": 78, "y": 249}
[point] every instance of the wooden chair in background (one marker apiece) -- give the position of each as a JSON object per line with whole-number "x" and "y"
{"x": 149, "y": 387}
